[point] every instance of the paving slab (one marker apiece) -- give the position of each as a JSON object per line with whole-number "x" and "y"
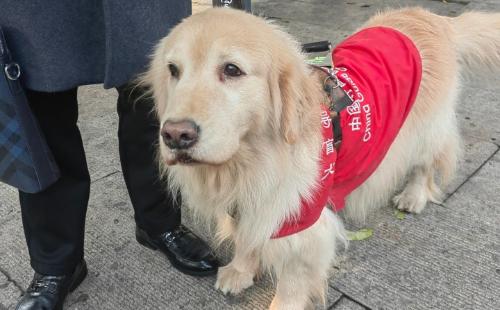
{"x": 98, "y": 122}
{"x": 475, "y": 153}
{"x": 478, "y": 113}
{"x": 448, "y": 257}
{"x": 9, "y": 202}
{"x": 445, "y": 258}
{"x": 9, "y": 293}
{"x": 201, "y": 5}
{"x": 311, "y": 20}
{"x": 14, "y": 259}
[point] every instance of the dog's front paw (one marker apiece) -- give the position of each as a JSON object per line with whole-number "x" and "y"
{"x": 230, "y": 280}
{"x": 410, "y": 203}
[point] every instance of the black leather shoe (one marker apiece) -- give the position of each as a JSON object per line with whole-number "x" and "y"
{"x": 185, "y": 251}
{"x": 50, "y": 292}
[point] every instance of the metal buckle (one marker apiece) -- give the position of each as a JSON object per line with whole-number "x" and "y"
{"x": 17, "y": 71}
{"x": 40, "y": 283}
{"x": 332, "y": 76}
{"x": 169, "y": 238}
{"x": 43, "y": 284}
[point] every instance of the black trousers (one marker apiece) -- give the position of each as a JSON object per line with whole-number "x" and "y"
{"x": 54, "y": 219}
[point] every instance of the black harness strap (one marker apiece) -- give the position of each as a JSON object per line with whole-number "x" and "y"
{"x": 338, "y": 102}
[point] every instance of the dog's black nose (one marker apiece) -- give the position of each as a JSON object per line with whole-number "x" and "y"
{"x": 179, "y": 135}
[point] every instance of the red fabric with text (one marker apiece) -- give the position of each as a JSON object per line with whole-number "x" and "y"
{"x": 381, "y": 70}
{"x": 311, "y": 209}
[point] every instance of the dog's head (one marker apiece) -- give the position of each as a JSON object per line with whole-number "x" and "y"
{"x": 221, "y": 78}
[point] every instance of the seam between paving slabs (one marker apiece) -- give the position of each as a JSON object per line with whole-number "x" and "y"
{"x": 6, "y": 274}
{"x": 105, "y": 176}
{"x": 494, "y": 142}
{"x": 475, "y": 172}
{"x": 348, "y": 298}
{"x": 336, "y": 302}
{"x": 344, "y": 295}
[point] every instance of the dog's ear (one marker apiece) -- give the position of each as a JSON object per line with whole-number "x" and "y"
{"x": 286, "y": 96}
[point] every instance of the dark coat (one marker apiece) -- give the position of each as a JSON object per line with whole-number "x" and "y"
{"x": 67, "y": 43}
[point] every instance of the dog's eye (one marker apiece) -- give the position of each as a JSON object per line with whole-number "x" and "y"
{"x": 174, "y": 71}
{"x": 232, "y": 70}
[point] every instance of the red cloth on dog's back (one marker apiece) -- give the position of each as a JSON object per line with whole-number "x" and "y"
{"x": 380, "y": 69}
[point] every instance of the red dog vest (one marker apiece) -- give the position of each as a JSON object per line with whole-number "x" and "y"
{"x": 380, "y": 70}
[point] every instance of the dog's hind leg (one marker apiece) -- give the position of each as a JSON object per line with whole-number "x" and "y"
{"x": 439, "y": 151}
{"x": 240, "y": 272}
{"x": 420, "y": 189}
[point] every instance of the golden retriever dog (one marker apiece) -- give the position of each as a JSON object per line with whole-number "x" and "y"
{"x": 241, "y": 136}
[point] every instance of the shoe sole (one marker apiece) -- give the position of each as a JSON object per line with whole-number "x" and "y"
{"x": 147, "y": 244}
{"x": 79, "y": 279}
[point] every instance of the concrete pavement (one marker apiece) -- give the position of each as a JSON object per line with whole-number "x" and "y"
{"x": 448, "y": 257}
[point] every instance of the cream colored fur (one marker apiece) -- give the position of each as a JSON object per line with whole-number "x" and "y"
{"x": 260, "y": 140}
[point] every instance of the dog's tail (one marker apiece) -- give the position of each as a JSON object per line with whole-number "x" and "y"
{"x": 476, "y": 37}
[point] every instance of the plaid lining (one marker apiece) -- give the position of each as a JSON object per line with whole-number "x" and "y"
{"x": 16, "y": 167}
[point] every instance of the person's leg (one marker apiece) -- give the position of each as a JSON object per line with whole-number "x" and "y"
{"x": 54, "y": 219}
{"x": 157, "y": 213}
